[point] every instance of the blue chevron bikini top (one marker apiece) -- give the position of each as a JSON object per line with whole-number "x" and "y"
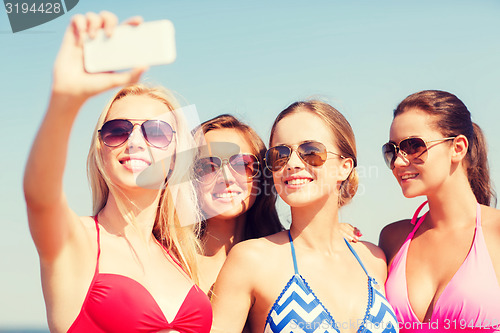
{"x": 298, "y": 309}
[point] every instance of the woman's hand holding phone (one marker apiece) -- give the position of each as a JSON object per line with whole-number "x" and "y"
{"x": 70, "y": 77}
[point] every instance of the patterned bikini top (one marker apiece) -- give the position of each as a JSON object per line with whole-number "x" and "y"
{"x": 298, "y": 309}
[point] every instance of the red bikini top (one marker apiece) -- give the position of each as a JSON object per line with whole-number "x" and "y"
{"x": 116, "y": 303}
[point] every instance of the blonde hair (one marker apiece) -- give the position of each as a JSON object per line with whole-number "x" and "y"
{"x": 177, "y": 223}
{"x": 342, "y": 132}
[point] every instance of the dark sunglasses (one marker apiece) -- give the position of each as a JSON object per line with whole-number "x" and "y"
{"x": 312, "y": 152}
{"x": 206, "y": 169}
{"x": 117, "y": 131}
{"x": 410, "y": 148}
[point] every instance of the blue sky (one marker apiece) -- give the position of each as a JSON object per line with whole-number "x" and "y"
{"x": 252, "y": 59}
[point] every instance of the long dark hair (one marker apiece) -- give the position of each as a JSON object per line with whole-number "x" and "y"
{"x": 262, "y": 218}
{"x": 453, "y": 118}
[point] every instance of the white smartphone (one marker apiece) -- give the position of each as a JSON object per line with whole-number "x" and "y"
{"x": 150, "y": 43}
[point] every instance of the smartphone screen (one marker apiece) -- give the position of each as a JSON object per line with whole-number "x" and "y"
{"x": 148, "y": 44}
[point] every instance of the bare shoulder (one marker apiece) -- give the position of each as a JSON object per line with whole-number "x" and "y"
{"x": 393, "y": 236}
{"x": 249, "y": 261}
{"x": 371, "y": 250}
{"x": 491, "y": 219}
{"x": 253, "y": 250}
{"x": 490, "y": 222}
{"x": 85, "y": 232}
{"x": 88, "y": 223}
{"x": 398, "y": 229}
{"x": 373, "y": 259}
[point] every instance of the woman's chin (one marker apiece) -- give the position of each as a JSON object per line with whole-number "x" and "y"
{"x": 226, "y": 212}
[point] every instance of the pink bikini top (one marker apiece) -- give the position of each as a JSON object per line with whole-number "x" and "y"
{"x": 470, "y": 301}
{"x": 116, "y": 303}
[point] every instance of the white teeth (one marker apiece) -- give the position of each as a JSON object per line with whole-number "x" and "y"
{"x": 408, "y": 176}
{"x": 136, "y": 163}
{"x": 299, "y": 181}
{"x": 225, "y": 195}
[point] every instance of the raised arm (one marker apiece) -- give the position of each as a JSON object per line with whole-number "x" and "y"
{"x": 51, "y": 221}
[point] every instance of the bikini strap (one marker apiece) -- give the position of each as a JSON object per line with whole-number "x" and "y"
{"x": 415, "y": 216}
{"x": 418, "y": 223}
{"x": 98, "y": 243}
{"x": 357, "y": 257}
{"x": 175, "y": 260}
{"x": 295, "y": 267}
{"x": 478, "y": 216}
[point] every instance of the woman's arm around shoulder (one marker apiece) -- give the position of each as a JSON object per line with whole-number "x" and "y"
{"x": 233, "y": 292}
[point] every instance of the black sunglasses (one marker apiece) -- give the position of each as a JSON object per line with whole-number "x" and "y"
{"x": 157, "y": 133}
{"x": 410, "y": 148}
{"x": 311, "y": 152}
{"x": 206, "y": 169}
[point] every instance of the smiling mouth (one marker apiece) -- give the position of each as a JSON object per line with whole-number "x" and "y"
{"x": 299, "y": 181}
{"x": 135, "y": 164}
{"x": 225, "y": 195}
{"x": 409, "y": 176}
